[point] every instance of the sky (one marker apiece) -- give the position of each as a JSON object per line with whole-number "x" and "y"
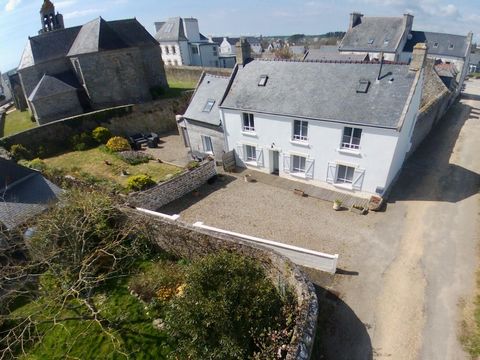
{"x": 20, "y": 18}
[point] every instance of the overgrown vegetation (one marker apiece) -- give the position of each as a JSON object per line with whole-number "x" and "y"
{"x": 470, "y": 327}
{"x": 139, "y": 182}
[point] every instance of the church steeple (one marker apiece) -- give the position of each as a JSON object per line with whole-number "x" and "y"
{"x": 50, "y": 20}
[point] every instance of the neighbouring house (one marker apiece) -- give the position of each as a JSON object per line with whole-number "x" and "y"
{"x": 91, "y": 67}
{"x": 474, "y": 62}
{"x": 228, "y": 52}
{"x": 347, "y": 126}
{"x": 182, "y": 43}
{"x": 331, "y": 53}
{"x": 201, "y": 125}
{"x": 24, "y": 193}
{"x": 17, "y": 90}
{"x": 374, "y": 36}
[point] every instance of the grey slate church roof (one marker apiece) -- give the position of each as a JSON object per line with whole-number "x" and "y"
{"x": 374, "y": 34}
{"x": 171, "y": 30}
{"x": 439, "y": 43}
{"x": 332, "y": 55}
{"x": 49, "y": 86}
{"x": 323, "y": 91}
{"x": 24, "y": 193}
{"x": 210, "y": 87}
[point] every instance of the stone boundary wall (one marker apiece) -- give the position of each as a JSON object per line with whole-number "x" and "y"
{"x": 166, "y": 192}
{"x": 191, "y": 74}
{"x": 188, "y": 242}
{"x": 156, "y": 116}
{"x": 2, "y": 121}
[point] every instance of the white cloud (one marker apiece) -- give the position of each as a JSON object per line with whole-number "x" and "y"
{"x": 81, "y": 13}
{"x": 12, "y": 4}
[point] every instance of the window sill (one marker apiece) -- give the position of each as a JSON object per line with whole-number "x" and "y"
{"x": 343, "y": 186}
{"x": 249, "y": 133}
{"x": 299, "y": 175}
{"x": 349, "y": 151}
{"x": 300, "y": 143}
{"x": 251, "y": 163}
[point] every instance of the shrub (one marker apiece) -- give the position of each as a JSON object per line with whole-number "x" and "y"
{"x": 82, "y": 142}
{"x": 156, "y": 92}
{"x": 118, "y": 143}
{"x": 20, "y": 152}
{"x": 36, "y": 164}
{"x": 139, "y": 182}
{"x": 227, "y": 304}
{"x": 134, "y": 157}
{"x": 101, "y": 135}
{"x": 192, "y": 165}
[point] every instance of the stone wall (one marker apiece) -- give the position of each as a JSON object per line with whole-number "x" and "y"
{"x": 166, "y": 192}
{"x": 191, "y": 74}
{"x": 156, "y": 116}
{"x": 196, "y": 130}
{"x": 185, "y": 241}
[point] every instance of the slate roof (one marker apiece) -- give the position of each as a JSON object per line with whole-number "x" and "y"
{"x": 475, "y": 58}
{"x": 48, "y": 46}
{"x": 28, "y": 194}
{"x": 48, "y": 86}
{"x": 372, "y": 34}
{"x": 322, "y": 55}
{"x": 211, "y": 87}
{"x": 323, "y": 91}
{"x": 433, "y": 87}
{"x": 171, "y": 30}
{"x": 460, "y": 43}
{"x": 132, "y": 32}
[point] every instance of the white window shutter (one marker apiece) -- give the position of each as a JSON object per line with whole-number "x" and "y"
{"x": 259, "y": 154}
{"x": 309, "y": 168}
{"x": 286, "y": 163}
{"x": 240, "y": 152}
{"x": 331, "y": 172}
{"x": 358, "y": 179}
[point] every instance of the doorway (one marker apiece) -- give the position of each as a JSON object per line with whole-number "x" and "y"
{"x": 275, "y": 167}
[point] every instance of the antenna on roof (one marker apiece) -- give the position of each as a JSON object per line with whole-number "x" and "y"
{"x": 381, "y": 66}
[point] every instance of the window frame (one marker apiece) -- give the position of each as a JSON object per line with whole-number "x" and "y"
{"x": 263, "y": 80}
{"x": 345, "y": 178}
{"x": 349, "y": 144}
{"x": 253, "y": 157}
{"x": 248, "y": 122}
{"x": 301, "y": 137}
{"x": 209, "y": 106}
{"x": 207, "y": 139}
{"x": 299, "y": 169}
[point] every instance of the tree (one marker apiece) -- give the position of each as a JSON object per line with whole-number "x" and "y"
{"x": 283, "y": 53}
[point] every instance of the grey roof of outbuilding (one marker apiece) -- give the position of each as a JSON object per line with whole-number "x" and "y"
{"x": 475, "y": 58}
{"x": 48, "y": 86}
{"x": 175, "y": 33}
{"x": 323, "y": 91}
{"x": 28, "y": 194}
{"x": 48, "y": 46}
{"x": 210, "y": 87}
{"x": 378, "y": 29}
{"x": 322, "y": 55}
{"x": 459, "y": 42}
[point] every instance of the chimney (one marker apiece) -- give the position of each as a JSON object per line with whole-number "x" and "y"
{"x": 243, "y": 52}
{"x": 419, "y": 56}
{"x": 407, "y": 22}
{"x": 355, "y": 19}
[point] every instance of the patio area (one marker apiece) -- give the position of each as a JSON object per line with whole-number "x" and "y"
{"x": 171, "y": 149}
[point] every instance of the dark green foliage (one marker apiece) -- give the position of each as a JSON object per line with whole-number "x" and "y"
{"x": 20, "y": 152}
{"x": 139, "y": 182}
{"x": 227, "y": 304}
{"x": 134, "y": 157}
{"x": 192, "y": 165}
{"x": 101, "y": 135}
{"x": 36, "y": 164}
{"x": 82, "y": 142}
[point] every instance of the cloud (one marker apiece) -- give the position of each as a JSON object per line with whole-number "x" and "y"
{"x": 81, "y": 13}
{"x": 12, "y": 4}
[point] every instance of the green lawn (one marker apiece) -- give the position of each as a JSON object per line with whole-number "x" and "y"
{"x": 92, "y": 162}
{"x": 17, "y": 121}
{"x": 176, "y": 88}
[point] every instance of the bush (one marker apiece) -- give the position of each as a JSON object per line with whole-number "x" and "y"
{"x": 228, "y": 303}
{"x": 192, "y": 165}
{"x": 101, "y": 135}
{"x": 36, "y": 164}
{"x": 20, "y": 152}
{"x": 118, "y": 143}
{"x": 82, "y": 142}
{"x": 139, "y": 182}
{"x": 134, "y": 157}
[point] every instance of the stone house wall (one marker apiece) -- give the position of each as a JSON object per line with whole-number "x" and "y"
{"x": 195, "y": 130}
{"x": 166, "y": 192}
{"x": 153, "y": 65}
{"x": 188, "y": 242}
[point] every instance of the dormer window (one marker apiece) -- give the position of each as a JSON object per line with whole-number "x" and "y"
{"x": 435, "y": 44}
{"x": 263, "y": 80}
{"x": 451, "y": 46}
{"x": 386, "y": 42}
{"x": 370, "y": 41}
{"x": 209, "y": 105}
{"x": 363, "y": 86}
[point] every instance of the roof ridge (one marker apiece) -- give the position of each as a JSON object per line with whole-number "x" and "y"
{"x": 217, "y": 76}
{"x": 385, "y": 62}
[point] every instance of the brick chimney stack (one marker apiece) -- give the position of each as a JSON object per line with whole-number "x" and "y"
{"x": 419, "y": 57}
{"x": 355, "y": 19}
{"x": 243, "y": 52}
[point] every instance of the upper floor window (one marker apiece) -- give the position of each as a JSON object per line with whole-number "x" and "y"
{"x": 248, "y": 122}
{"x": 351, "y": 138}
{"x": 300, "y": 130}
{"x": 167, "y": 50}
{"x": 215, "y": 53}
{"x": 194, "y": 50}
{"x": 174, "y": 50}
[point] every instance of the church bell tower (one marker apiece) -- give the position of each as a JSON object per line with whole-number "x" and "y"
{"x": 50, "y": 20}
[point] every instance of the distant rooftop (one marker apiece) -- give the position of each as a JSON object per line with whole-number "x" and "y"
{"x": 439, "y": 43}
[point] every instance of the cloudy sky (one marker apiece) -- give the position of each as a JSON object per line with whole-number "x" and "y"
{"x": 20, "y": 18}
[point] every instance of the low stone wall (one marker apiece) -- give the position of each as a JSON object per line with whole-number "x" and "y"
{"x": 185, "y": 241}
{"x": 191, "y": 74}
{"x": 156, "y": 116}
{"x": 166, "y": 192}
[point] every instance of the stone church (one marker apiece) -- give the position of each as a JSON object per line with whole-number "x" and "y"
{"x": 69, "y": 71}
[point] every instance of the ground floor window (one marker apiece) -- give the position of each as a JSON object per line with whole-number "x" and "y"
{"x": 345, "y": 174}
{"x": 207, "y": 144}
{"x": 251, "y": 153}
{"x": 298, "y": 164}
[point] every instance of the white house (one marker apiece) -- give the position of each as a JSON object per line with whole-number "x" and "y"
{"x": 183, "y": 44}
{"x": 342, "y": 126}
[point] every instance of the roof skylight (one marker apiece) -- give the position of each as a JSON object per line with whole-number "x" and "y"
{"x": 435, "y": 44}
{"x": 370, "y": 41}
{"x": 209, "y": 105}
{"x": 263, "y": 80}
{"x": 363, "y": 86}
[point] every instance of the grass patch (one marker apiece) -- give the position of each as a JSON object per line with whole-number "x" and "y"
{"x": 15, "y": 122}
{"x": 470, "y": 325}
{"x": 94, "y": 163}
{"x": 176, "y": 88}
